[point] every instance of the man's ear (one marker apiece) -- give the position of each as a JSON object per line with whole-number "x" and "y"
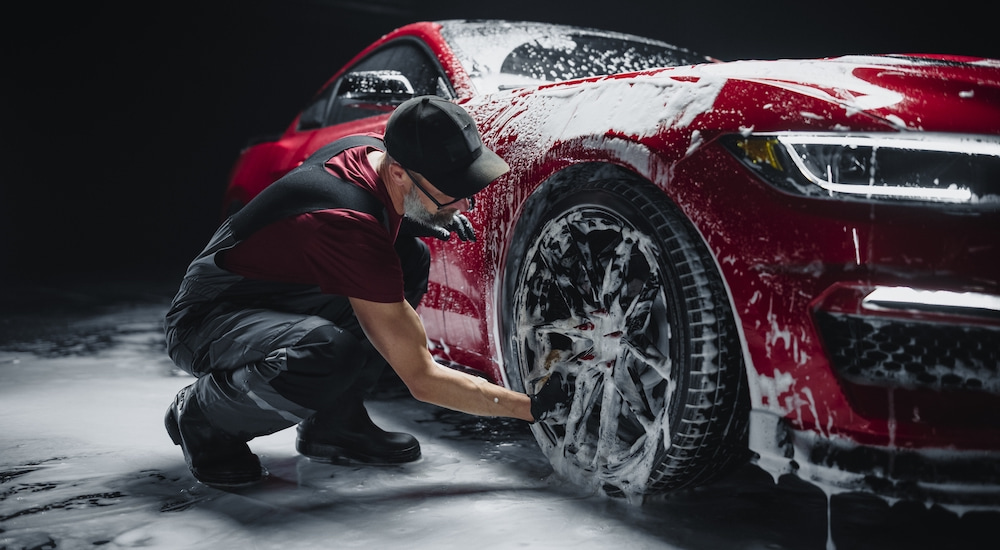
{"x": 397, "y": 175}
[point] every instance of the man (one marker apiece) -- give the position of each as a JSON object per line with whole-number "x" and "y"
{"x": 290, "y": 313}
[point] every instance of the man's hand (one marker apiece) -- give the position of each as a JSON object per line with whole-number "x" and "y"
{"x": 552, "y": 401}
{"x": 460, "y": 225}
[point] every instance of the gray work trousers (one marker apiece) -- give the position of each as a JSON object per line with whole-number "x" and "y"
{"x": 269, "y": 356}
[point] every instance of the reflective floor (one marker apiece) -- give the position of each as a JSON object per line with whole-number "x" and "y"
{"x": 85, "y": 463}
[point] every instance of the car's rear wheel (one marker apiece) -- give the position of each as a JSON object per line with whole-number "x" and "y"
{"x": 608, "y": 284}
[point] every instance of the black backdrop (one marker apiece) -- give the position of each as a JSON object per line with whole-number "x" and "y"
{"x": 121, "y": 120}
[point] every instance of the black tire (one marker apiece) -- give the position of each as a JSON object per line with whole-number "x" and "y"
{"x": 609, "y": 284}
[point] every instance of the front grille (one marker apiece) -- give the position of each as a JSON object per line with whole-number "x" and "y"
{"x": 888, "y": 352}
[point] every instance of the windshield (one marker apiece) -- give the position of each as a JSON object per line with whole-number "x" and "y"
{"x": 514, "y": 54}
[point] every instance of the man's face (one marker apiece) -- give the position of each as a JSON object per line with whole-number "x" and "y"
{"x": 414, "y": 208}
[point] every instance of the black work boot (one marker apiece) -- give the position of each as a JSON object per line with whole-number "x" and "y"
{"x": 331, "y": 437}
{"x": 215, "y": 458}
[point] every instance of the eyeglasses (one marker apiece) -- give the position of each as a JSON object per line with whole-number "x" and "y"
{"x": 440, "y": 205}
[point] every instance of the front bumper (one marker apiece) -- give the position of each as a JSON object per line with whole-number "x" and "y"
{"x": 963, "y": 479}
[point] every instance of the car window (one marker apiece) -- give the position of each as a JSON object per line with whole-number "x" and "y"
{"x": 500, "y": 56}
{"x": 407, "y": 58}
{"x": 584, "y": 55}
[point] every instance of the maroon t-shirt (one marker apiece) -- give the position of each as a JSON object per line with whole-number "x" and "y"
{"x": 342, "y": 251}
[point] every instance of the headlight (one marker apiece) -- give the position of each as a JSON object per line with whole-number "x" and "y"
{"x": 936, "y": 168}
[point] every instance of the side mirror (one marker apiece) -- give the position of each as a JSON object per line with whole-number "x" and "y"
{"x": 376, "y": 87}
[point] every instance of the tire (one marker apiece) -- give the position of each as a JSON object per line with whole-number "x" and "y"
{"x": 609, "y": 284}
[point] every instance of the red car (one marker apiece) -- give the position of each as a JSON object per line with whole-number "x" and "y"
{"x": 794, "y": 262}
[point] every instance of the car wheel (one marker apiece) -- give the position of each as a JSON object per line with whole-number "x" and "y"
{"x": 610, "y": 285}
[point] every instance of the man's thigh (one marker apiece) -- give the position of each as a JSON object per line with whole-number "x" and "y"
{"x": 234, "y": 339}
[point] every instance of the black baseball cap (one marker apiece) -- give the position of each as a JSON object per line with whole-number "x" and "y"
{"x": 439, "y": 140}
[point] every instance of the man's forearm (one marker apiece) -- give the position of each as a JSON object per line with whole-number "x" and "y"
{"x": 397, "y": 333}
{"x": 467, "y": 393}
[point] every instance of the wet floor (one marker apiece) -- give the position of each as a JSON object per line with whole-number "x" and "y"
{"x": 85, "y": 463}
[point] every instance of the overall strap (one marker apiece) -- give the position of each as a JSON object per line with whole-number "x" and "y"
{"x": 308, "y": 188}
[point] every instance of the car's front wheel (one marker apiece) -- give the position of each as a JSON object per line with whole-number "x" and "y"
{"x": 609, "y": 285}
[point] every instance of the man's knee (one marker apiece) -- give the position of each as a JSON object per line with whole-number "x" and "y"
{"x": 321, "y": 366}
{"x": 322, "y": 349}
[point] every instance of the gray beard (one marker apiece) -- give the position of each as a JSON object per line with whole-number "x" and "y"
{"x": 415, "y": 210}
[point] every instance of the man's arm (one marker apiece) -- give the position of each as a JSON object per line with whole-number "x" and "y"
{"x": 398, "y": 334}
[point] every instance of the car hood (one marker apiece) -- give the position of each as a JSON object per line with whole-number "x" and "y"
{"x": 928, "y": 93}
{"x": 674, "y": 111}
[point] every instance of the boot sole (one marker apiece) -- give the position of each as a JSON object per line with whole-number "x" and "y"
{"x": 231, "y": 483}
{"x": 333, "y": 454}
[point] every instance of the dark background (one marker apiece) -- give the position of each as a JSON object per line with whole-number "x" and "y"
{"x": 121, "y": 119}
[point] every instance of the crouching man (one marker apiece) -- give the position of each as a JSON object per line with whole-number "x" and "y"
{"x": 299, "y": 300}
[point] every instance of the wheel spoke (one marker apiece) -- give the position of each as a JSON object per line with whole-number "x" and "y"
{"x": 563, "y": 254}
{"x": 631, "y": 389}
{"x": 615, "y": 271}
{"x": 587, "y": 389}
{"x": 630, "y": 469}
{"x": 585, "y": 265}
{"x": 647, "y": 335}
{"x": 608, "y": 443}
